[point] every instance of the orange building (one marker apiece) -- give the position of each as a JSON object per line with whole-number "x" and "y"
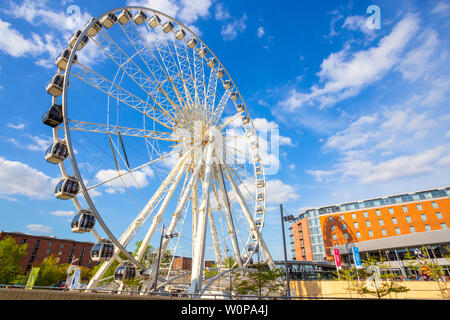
{"x": 363, "y": 221}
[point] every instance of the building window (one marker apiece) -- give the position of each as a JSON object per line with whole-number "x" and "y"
{"x": 62, "y": 245}
{"x": 368, "y": 224}
{"x": 408, "y": 219}
{"x": 434, "y": 204}
{"x": 394, "y": 220}
{"x": 333, "y": 228}
{"x": 50, "y": 244}
{"x": 370, "y": 233}
{"x": 334, "y": 237}
{"x": 346, "y": 235}
{"x": 383, "y": 232}
{"x": 397, "y": 230}
{"x": 358, "y": 234}
{"x": 47, "y": 252}
{"x": 342, "y": 217}
{"x": 391, "y": 210}
{"x": 438, "y": 215}
{"x": 443, "y": 226}
{"x": 380, "y": 222}
{"x": 419, "y": 207}
{"x": 424, "y": 217}
{"x": 354, "y": 215}
{"x": 365, "y": 214}
{"x": 427, "y": 227}
{"x": 412, "y": 229}
{"x": 355, "y": 224}
{"x": 378, "y": 212}
{"x": 405, "y": 209}
{"x": 344, "y": 227}
{"x": 331, "y": 218}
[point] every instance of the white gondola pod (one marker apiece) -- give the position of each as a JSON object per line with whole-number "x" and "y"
{"x": 211, "y": 62}
{"x": 67, "y": 188}
{"x": 227, "y": 84}
{"x": 124, "y": 17}
{"x": 154, "y": 21}
{"x": 74, "y": 39}
{"x": 140, "y": 17}
{"x": 82, "y": 222}
{"x": 260, "y": 197}
{"x": 108, "y": 20}
{"x": 94, "y": 28}
{"x": 192, "y": 43}
{"x": 234, "y": 96}
{"x": 125, "y": 271}
{"x": 220, "y": 73}
{"x": 55, "y": 86}
{"x": 240, "y": 108}
{"x": 102, "y": 250}
{"x": 53, "y": 117}
{"x": 57, "y": 152}
{"x": 202, "y": 52}
{"x": 258, "y": 169}
{"x": 260, "y": 183}
{"x": 260, "y": 210}
{"x": 245, "y": 120}
{"x": 168, "y": 27}
{"x": 180, "y": 34}
{"x": 62, "y": 60}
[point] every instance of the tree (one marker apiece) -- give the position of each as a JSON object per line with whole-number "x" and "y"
{"x": 379, "y": 282}
{"x": 260, "y": 282}
{"x": 50, "y": 272}
{"x": 10, "y": 255}
{"x": 351, "y": 276}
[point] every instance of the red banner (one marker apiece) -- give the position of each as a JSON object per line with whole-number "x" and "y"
{"x": 337, "y": 258}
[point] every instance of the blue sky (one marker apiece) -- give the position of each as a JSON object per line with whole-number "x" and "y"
{"x": 362, "y": 112}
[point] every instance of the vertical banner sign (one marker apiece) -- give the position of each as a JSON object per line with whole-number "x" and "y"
{"x": 357, "y": 257}
{"x": 75, "y": 283}
{"x": 337, "y": 258}
{"x": 32, "y": 278}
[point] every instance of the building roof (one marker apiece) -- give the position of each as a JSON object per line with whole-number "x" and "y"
{"x": 400, "y": 242}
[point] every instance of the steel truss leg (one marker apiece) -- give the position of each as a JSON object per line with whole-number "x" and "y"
{"x": 200, "y": 240}
{"x": 249, "y": 218}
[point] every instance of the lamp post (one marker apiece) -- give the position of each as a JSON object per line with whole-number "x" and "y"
{"x": 163, "y": 236}
{"x": 283, "y": 219}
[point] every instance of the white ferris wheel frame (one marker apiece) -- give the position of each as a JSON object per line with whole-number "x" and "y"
{"x": 223, "y": 171}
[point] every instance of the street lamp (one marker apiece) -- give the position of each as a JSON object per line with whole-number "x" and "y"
{"x": 288, "y": 218}
{"x": 163, "y": 236}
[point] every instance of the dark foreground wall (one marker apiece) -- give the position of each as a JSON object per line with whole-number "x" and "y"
{"x": 21, "y": 294}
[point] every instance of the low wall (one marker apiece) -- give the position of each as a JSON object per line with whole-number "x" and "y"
{"x": 339, "y": 289}
{"x": 22, "y": 294}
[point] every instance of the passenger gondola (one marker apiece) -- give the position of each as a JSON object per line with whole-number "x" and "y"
{"x": 67, "y": 188}
{"x": 125, "y": 271}
{"x": 74, "y": 39}
{"x": 83, "y": 221}
{"x": 108, "y": 20}
{"x": 154, "y": 21}
{"x": 124, "y": 17}
{"x": 63, "y": 59}
{"x": 55, "y": 86}
{"x": 53, "y": 117}
{"x": 57, "y": 152}
{"x": 102, "y": 250}
{"x": 94, "y": 29}
{"x": 192, "y": 43}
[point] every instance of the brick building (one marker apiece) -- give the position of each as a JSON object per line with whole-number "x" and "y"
{"x": 185, "y": 263}
{"x": 390, "y": 223}
{"x": 40, "y": 247}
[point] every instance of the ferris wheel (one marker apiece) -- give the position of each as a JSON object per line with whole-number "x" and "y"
{"x": 158, "y": 136}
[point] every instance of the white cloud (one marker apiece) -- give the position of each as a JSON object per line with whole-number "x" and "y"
{"x": 359, "y": 23}
{"x": 61, "y": 213}
{"x": 442, "y": 7}
{"x": 276, "y": 191}
{"x": 221, "y": 13}
{"x": 260, "y": 32}
{"x": 136, "y": 179}
{"x": 18, "y": 126}
{"x": 39, "y": 228}
{"x": 17, "y": 178}
{"x": 346, "y": 73}
{"x": 231, "y": 29}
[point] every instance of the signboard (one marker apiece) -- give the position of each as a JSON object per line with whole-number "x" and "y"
{"x": 357, "y": 257}
{"x": 75, "y": 284}
{"x": 337, "y": 258}
{"x": 32, "y": 278}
